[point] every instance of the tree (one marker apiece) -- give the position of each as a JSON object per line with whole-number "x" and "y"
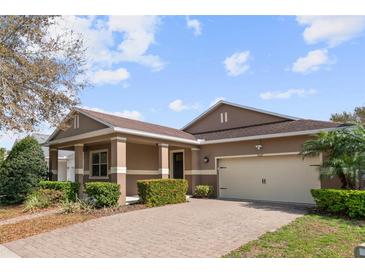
{"x": 358, "y": 116}
{"x": 41, "y": 71}
{"x": 2, "y": 155}
{"x": 21, "y": 171}
{"x": 344, "y": 154}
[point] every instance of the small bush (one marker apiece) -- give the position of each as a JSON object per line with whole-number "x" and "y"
{"x": 203, "y": 191}
{"x": 103, "y": 194}
{"x": 340, "y": 201}
{"x": 157, "y": 192}
{"x": 68, "y": 207}
{"x": 36, "y": 200}
{"x": 43, "y": 198}
{"x": 70, "y": 189}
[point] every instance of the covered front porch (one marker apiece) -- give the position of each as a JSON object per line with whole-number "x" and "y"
{"x": 124, "y": 159}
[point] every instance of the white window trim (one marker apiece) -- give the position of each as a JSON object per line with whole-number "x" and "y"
{"x": 222, "y": 120}
{"x": 172, "y": 162}
{"x": 225, "y": 117}
{"x": 91, "y": 163}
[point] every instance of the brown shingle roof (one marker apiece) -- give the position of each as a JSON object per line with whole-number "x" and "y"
{"x": 122, "y": 122}
{"x": 281, "y": 127}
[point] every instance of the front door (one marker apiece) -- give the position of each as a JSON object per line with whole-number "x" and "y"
{"x": 178, "y": 165}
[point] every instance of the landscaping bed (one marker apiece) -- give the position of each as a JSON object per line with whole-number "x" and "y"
{"x": 310, "y": 236}
{"x": 27, "y": 228}
{"x": 12, "y": 211}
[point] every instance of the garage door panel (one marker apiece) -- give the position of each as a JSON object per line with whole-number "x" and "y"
{"x": 286, "y": 178}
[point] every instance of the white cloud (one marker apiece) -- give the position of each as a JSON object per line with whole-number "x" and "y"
{"x": 216, "y": 100}
{"x": 131, "y": 114}
{"x": 195, "y": 25}
{"x": 178, "y": 105}
{"x": 312, "y": 61}
{"x": 236, "y": 64}
{"x": 104, "y": 48}
{"x": 139, "y": 34}
{"x": 101, "y": 77}
{"x": 270, "y": 95}
{"x": 333, "y": 30}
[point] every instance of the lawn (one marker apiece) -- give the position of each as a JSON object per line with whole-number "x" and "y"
{"x": 310, "y": 236}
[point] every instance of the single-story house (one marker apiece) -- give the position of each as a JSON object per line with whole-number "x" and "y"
{"x": 243, "y": 152}
{"x": 66, "y": 160}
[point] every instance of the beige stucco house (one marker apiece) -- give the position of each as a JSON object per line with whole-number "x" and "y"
{"x": 243, "y": 152}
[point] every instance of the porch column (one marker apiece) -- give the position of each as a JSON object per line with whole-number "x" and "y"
{"x": 118, "y": 168}
{"x": 53, "y": 164}
{"x": 79, "y": 167}
{"x": 195, "y": 167}
{"x": 163, "y": 160}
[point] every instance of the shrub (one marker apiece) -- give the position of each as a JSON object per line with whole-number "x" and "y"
{"x": 36, "y": 200}
{"x": 43, "y": 198}
{"x": 69, "y": 189}
{"x": 68, "y": 207}
{"x": 341, "y": 201}
{"x": 104, "y": 194}
{"x": 21, "y": 171}
{"x": 157, "y": 192}
{"x": 203, "y": 191}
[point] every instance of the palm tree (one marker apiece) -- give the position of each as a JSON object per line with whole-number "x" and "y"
{"x": 343, "y": 153}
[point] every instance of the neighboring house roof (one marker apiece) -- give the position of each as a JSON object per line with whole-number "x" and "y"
{"x": 118, "y": 121}
{"x": 222, "y": 102}
{"x": 271, "y": 128}
{"x": 42, "y": 138}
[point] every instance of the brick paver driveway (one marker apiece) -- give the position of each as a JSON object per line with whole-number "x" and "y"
{"x": 200, "y": 228}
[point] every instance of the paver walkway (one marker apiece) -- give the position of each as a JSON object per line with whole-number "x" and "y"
{"x": 28, "y": 217}
{"x": 200, "y": 228}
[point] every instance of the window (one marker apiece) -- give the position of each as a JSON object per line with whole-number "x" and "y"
{"x": 99, "y": 164}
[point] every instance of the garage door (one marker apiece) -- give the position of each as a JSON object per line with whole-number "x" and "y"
{"x": 269, "y": 178}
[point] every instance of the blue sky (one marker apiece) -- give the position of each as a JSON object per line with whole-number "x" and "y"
{"x": 169, "y": 69}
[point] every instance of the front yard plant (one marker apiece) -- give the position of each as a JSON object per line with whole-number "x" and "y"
{"x": 21, "y": 171}
{"x": 43, "y": 198}
{"x": 158, "y": 192}
{"x": 103, "y": 194}
{"x": 341, "y": 201}
{"x": 203, "y": 191}
{"x": 70, "y": 189}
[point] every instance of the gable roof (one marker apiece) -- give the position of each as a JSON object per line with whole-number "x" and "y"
{"x": 290, "y": 127}
{"x": 122, "y": 122}
{"x": 222, "y": 102}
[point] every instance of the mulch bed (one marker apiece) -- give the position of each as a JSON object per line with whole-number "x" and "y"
{"x": 27, "y": 228}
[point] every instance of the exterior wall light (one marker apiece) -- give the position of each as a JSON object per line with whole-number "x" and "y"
{"x": 206, "y": 159}
{"x": 258, "y": 147}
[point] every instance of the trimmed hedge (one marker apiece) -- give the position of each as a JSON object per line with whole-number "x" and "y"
{"x": 157, "y": 192}
{"x": 203, "y": 191}
{"x": 70, "y": 189}
{"x": 341, "y": 201}
{"x": 104, "y": 194}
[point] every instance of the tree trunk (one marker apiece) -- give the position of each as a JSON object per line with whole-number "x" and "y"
{"x": 343, "y": 180}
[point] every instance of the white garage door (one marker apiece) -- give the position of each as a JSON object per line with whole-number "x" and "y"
{"x": 269, "y": 178}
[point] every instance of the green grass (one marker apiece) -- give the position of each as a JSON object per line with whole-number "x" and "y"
{"x": 310, "y": 236}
